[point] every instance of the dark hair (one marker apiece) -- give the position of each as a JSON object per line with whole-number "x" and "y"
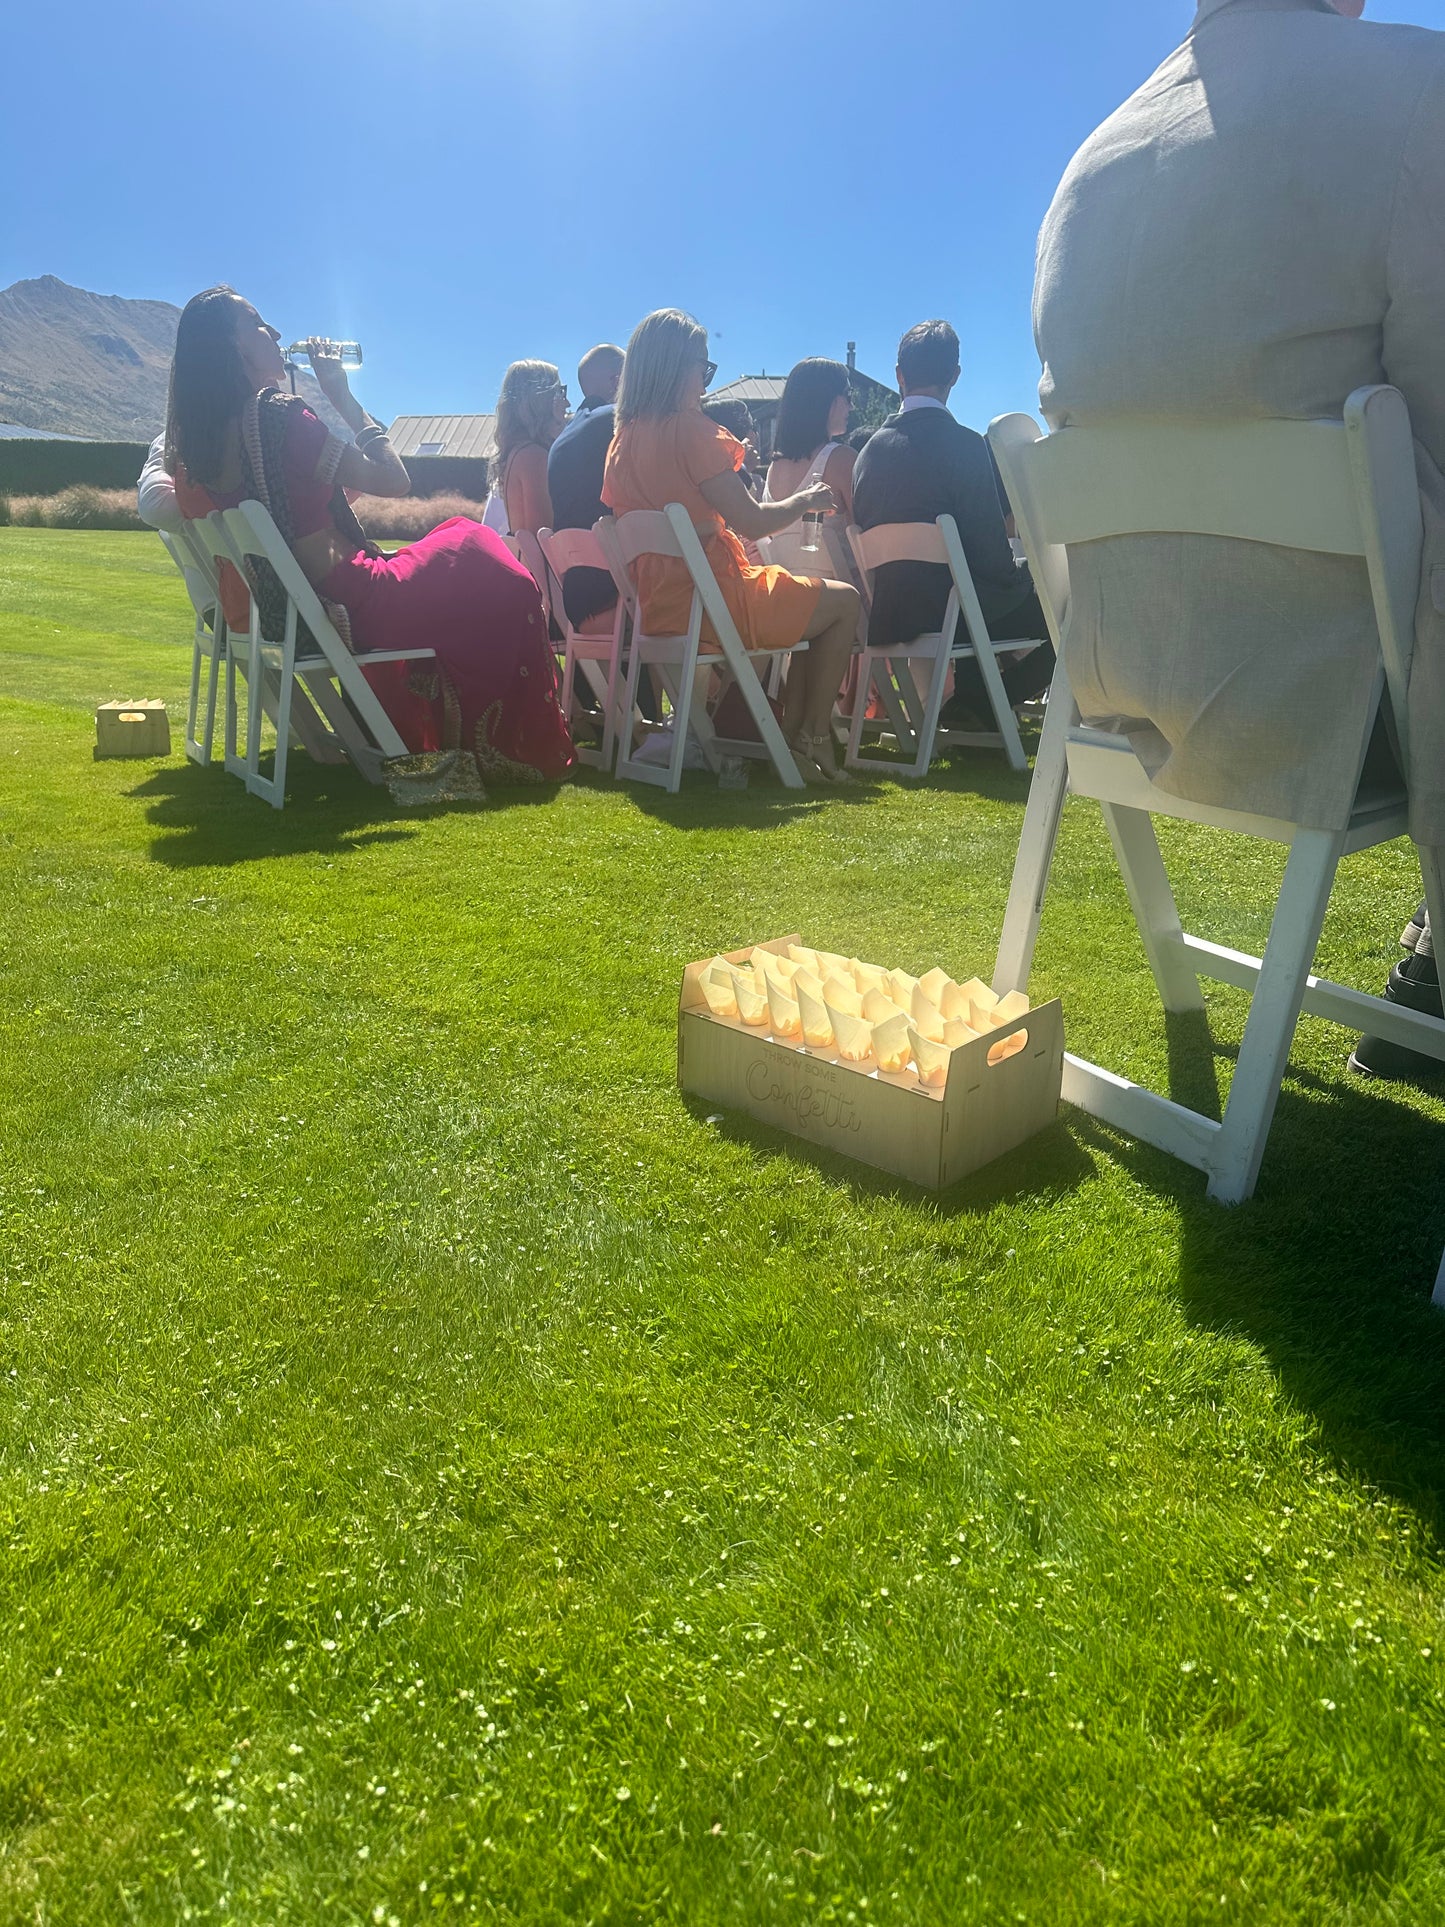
{"x": 809, "y": 393}
{"x": 209, "y": 384}
{"x": 928, "y": 355}
{"x": 860, "y": 437}
{"x": 735, "y": 416}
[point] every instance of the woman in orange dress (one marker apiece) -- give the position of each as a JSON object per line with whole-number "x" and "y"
{"x": 666, "y": 450}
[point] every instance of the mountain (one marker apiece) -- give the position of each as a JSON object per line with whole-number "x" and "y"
{"x": 84, "y": 364}
{"x": 91, "y": 364}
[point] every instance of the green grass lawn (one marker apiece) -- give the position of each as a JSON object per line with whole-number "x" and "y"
{"x": 447, "y": 1475}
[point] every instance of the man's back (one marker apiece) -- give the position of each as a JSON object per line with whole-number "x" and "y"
{"x": 1254, "y": 234}
{"x": 919, "y": 465}
{"x": 575, "y": 463}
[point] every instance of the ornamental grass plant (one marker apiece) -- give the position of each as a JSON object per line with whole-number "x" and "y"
{"x": 446, "y": 1476}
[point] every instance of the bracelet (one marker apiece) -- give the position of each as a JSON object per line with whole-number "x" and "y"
{"x": 368, "y": 437}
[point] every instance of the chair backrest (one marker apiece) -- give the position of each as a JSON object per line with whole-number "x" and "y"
{"x": 528, "y": 551}
{"x": 605, "y": 530}
{"x": 206, "y": 540}
{"x": 1338, "y": 488}
{"x": 647, "y": 532}
{"x": 937, "y": 542}
{"x": 248, "y": 531}
{"x": 566, "y": 549}
{"x": 897, "y": 542}
{"x": 669, "y": 531}
{"x": 198, "y": 571}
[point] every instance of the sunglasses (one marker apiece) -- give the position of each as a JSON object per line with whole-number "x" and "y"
{"x": 709, "y": 373}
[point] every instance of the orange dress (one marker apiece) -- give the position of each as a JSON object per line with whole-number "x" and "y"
{"x": 652, "y": 463}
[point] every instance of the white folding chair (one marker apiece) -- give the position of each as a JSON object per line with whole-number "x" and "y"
{"x": 320, "y": 697}
{"x": 208, "y": 644}
{"x": 678, "y": 661}
{"x": 528, "y": 551}
{"x": 598, "y": 656}
{"x": 1338, "y": 488}
{"x": 913, "y": 709}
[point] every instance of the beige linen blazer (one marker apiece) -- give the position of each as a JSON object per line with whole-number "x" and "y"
{"x": 1257, "y": 232}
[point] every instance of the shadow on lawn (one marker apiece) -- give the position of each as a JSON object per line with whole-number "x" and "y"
{"x": 206, "y": 817}
{"x": 1052, "y": 1165}
{"x": 766, "y": 805}
{"x": 1328, "y": 1269}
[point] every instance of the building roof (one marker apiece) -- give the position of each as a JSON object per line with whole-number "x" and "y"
{"x": 769, "y": 388}
{"x": 751, "y": 388}
{"x": 470, "y": 437}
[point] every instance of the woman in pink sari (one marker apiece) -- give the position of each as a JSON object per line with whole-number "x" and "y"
{"x": 233, "y": 434}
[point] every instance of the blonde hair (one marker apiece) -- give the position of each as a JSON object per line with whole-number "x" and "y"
{"x": 663, "y": 347}
{"x": 524, "y": 408}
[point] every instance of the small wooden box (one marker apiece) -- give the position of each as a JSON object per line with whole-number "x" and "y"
{"x": 132, "y": 729}
{"x": 932, "y": 1137}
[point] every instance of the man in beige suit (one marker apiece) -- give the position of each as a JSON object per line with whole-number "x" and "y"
{"x": 1257, "y": 232}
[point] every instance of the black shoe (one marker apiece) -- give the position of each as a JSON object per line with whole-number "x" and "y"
{"x": 959, "y": 714}
{"x": 1415, "y": 985}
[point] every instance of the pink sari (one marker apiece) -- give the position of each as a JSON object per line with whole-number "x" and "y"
{"x": 459, "y": 591}
{"x": 462, "y": 592}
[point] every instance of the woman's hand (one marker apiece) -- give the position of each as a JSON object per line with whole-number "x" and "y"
{"x": 816, "y": 500}
{"x": 329, "y": 373}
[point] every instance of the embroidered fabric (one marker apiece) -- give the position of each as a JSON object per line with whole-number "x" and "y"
{"x": 263, "y": 443}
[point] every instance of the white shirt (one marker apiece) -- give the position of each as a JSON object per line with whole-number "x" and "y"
{"x": 155, "y": 494}
{"x": 922, "y": 401}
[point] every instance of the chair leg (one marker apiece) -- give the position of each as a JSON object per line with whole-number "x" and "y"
{"x": 1045, "y": 807}
{"x": 999, "y": 703}
{"x": 1147, "y": 881}
{"x": 860, "y": 705}
{"x": 609, "y": 714}
{"x": 760, "y": 710}
{"x": 283, "y": 727}
{"x": 193, "y": 700}
{"x": 1273, "y": 1013}
{"x": 255, "y": 705}
{"x": 932, "y": 709}
{"x": 902, "y": 699}
{"x": 626, "y": 712}
{"x": 218, "y": 644}
{"x": 686, "y": 699}
{"x": 234, "y": 764}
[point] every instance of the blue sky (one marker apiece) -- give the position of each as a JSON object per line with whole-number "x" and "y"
{"x": 460, "y": 183}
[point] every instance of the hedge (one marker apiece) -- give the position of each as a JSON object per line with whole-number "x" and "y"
{"x": 45, "y": 468}
{"x": 448, "y": 475}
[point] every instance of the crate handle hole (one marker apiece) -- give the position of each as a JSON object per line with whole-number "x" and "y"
{"x": 1008, "y": 1047}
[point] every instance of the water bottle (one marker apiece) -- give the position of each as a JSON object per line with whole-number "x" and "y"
{"x": 812, "y": 526}
{"x": 348, "y": 353}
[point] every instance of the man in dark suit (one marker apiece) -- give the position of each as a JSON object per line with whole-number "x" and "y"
{"x": 575, "y": 463}
{"x": 922, "y": 464}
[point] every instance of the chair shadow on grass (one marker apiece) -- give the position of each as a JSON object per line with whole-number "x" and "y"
{"x": 205, "y": 817}
{"x": 1328, "y": 1269}
{"x": 765, "y": 804}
